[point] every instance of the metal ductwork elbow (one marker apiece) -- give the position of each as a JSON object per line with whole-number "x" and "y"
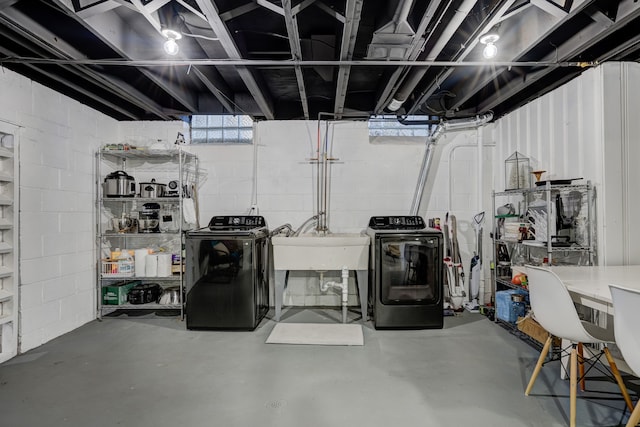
{"x": 432, "y": 140}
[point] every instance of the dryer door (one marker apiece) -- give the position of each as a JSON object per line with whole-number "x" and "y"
{"x": 410, "y": 270}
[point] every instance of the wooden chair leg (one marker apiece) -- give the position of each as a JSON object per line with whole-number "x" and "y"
{"x": 635, "y": 417}
{"x": 573, "y": 392}
{"x": 581, "y": 366}
{"x": 536, "y": 371}
{"x": 618, "y": 377}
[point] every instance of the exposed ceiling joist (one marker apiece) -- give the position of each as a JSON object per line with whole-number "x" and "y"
{"x": 75, "y": 86}
{"x": 550, "y": 7}
{"x": 222, "y": 94}
{"x": 296, "y": 52}
{"x": 6, "y": 3}
{"x": 58, "y": 48}
{"x": 285, "y": 60}
{"x": 103, "y": 27}
{"x": 353, "y": 10}
{"x": 469, "y": 45}
{"x": 533, "y": 36}
{"x": 323, "y": 7}
{"x": 147, "y": 14}
{"x": 589, "y": 37}
{"x": 411, "y": 53}
{"x": 272, "y": 7}
{"x": 219, "y": 28}
{"x": 238, "y": 11}
{"x": 413, "y": 78}
{"x": 154, "y": 5}
{"x": 302, "y": 6}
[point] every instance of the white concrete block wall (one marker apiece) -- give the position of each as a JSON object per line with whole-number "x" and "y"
{"x": 367, "y": 179}
{"x": 58, "y": 138}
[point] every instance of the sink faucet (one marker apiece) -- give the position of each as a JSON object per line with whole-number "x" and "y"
{"x": 304, "y": 224}
{"x": 282, "y": 228}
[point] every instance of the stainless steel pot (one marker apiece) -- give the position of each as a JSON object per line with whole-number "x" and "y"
{"x": 119, "y": 184}
{"x": 152, "y": 189}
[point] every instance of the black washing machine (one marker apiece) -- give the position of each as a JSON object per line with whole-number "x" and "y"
{"x": 406, "y": 274}
{"x": 227, "y": 276}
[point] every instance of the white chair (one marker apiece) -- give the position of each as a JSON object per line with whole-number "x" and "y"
{"x": 554, "y": 310}
{"x": 626, "y": 318}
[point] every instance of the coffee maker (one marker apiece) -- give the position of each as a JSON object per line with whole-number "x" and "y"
{"x": 568, "y": 208}
{"x": 149, "y": 218}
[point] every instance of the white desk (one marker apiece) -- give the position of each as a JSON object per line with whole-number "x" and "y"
{"x": 589, "y": 285}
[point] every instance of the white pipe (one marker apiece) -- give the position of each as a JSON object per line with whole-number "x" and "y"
{"x": 344, "y": 286}
{"x": 479, "y": 205}
{"x": 432, "y": 140}
{"x": 422, "y": 179}
{"x": 253, "y": 209}
{"x": 417, "y": 74}
{"x": 323, "y": 286}
{"x": 345, "y": 292}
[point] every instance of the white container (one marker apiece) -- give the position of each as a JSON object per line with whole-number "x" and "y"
{"x": 164, "y": 265}
{"x": 151, "y": 265}
{"x": 140, "y": 258}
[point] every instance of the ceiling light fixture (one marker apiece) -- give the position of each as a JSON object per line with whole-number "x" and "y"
{"x": 490, "y": 50}
{"x": 170, "y": 46}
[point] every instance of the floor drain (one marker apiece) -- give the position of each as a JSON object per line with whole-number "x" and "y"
{"x": 277, "y": 404}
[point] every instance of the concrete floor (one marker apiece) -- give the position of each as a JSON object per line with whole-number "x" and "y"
{"x": 140, "y": 371}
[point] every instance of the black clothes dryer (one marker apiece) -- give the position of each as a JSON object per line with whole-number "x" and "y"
{"x": 227, "y": 276}
{"x": 406, "y": 274}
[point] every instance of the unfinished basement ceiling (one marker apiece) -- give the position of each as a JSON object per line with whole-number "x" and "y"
{"x": 296, "y": 59}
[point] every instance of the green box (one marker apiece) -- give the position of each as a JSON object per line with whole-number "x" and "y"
{"x": 116, "y": 293}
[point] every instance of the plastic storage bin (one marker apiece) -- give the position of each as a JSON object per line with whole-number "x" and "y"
{"x": 508, "y": 310}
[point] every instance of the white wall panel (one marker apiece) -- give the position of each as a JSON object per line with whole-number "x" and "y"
{"x": 586, "y": 128}
{"x": 621, "y": 157}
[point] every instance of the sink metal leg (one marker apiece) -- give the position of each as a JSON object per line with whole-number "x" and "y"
{"x": 280, "y": 277}
{"x": 363, "y": 290}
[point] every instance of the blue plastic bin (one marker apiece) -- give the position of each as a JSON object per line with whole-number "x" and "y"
{"x": 508, "y": 310}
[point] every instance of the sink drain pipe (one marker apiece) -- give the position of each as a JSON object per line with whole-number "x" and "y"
{"x": 344, "y": 286}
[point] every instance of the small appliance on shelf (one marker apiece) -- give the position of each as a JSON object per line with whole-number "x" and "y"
{"x": 149, "y": 218}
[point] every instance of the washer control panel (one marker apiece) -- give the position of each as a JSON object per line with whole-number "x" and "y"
{"x": 396, "y": 223}
{"x": 241, "y": 222}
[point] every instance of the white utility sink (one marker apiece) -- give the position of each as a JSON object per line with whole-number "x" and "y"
{"x": 321, "y": 253}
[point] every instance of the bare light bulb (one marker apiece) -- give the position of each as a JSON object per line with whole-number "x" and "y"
{"x": 490, "y": 51}
{"x": 171, "y": 47}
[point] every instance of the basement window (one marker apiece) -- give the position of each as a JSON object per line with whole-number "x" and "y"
{"x": 221, "y": 129}
{"x": 389, "y": 126}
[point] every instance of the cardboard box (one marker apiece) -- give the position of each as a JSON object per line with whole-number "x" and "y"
{"x": 533, "y": 329}
{"x": 116, "y": 293}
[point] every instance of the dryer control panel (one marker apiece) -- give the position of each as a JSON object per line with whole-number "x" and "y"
{"x": 396, "y": 223}
{"x": 241, "y": 222}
